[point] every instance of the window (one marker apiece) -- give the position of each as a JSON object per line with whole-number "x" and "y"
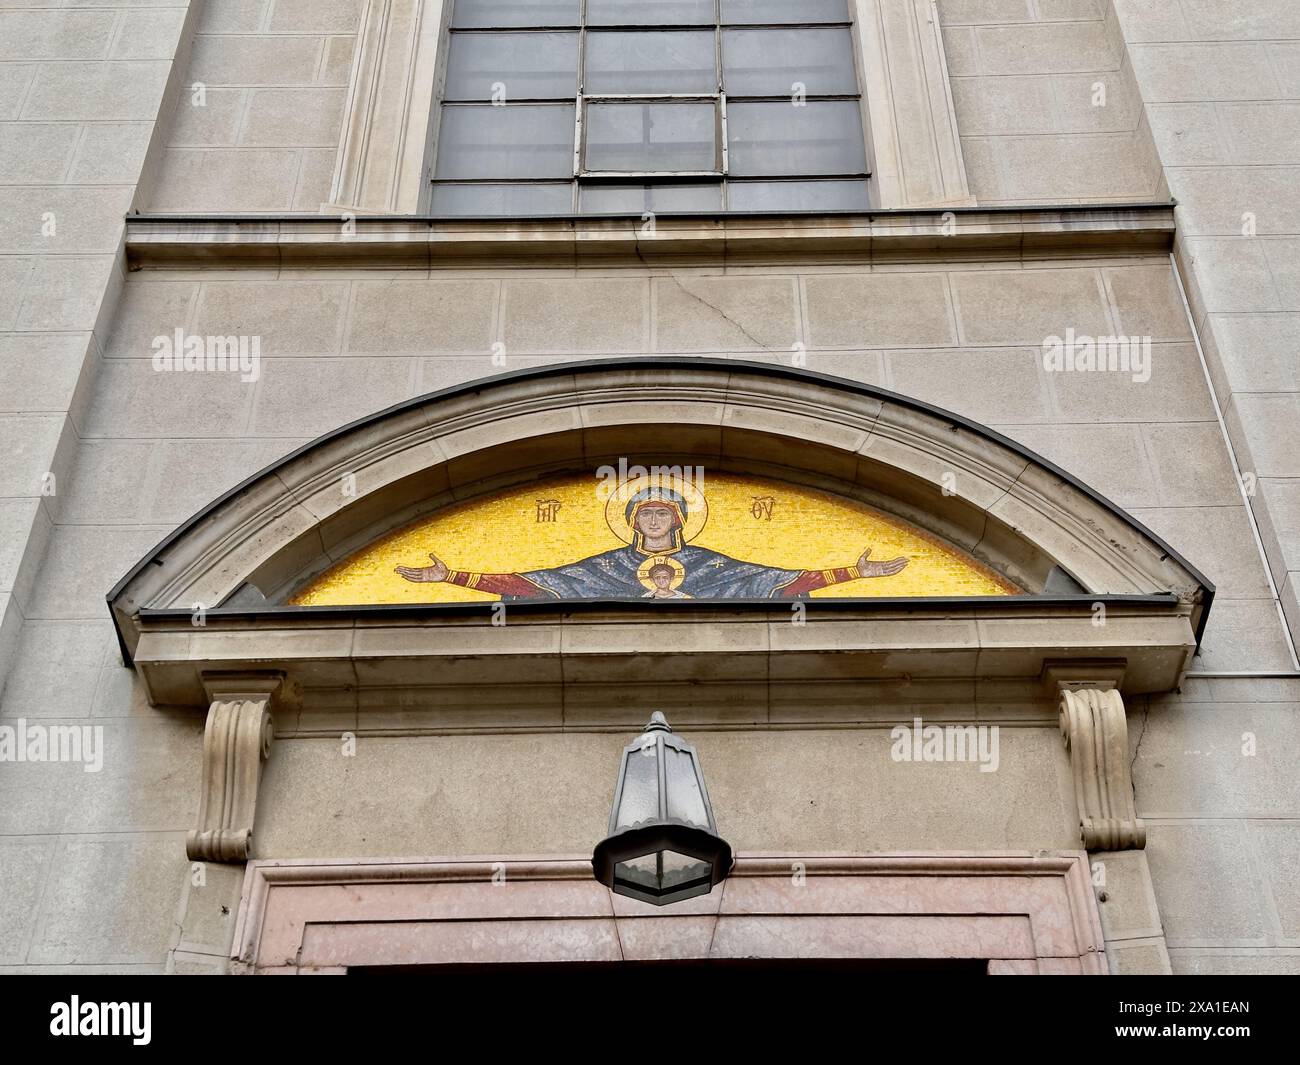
{"x": 557, "y": 107}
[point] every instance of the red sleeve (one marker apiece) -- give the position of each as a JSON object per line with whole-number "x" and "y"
{"x": 810, "y": 580}
{"x": 495, "y": 583}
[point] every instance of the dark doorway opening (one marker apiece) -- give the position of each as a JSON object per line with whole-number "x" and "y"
{"x": 792, "y": 967}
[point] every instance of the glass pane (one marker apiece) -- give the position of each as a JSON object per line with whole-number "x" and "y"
{"x": 527, "y": 66}
{"x": 656, "y": 13}
{"x": 797, "y": 196}
{"x": 651, "y": 137}
{"x": 640, "y": 799}
{"x": 482, "y": 200}
{"x": 636, "y": 199}
{"x": 643, "y": 872}
{"x": 821, "y": 137}
{"x": 651, "y": 62}
{"x": 661, "y": 872}
{"x": 685, "y": 800}
{"x": 519, "y": 141}
{"x": 752, "y": 12}
{"x": 681, "y": 869}
{"x": 480, "y": 13}
{"x": 771, "y": 62}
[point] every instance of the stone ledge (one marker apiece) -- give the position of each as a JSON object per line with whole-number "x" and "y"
{"x": 567, "y": 668}
{"x": 417, "y": 242}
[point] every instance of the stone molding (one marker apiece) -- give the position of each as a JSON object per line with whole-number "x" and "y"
{"x": 168, "y": 241}
{"x": 1095, "y": 728}
{"x": 1071, "y": 674}
{"x": 390, "y": 114}
{"x": 389, "y": 109}
{"x": 1024, "y": 913}
{"x": 911, "y": 123}
{"x": 1012, "y": 510}
{"x": 236, "y": 743}
{"x": 585, "y": 666}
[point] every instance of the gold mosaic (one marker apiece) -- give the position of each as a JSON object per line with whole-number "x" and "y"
{"x": 725, "y": 536}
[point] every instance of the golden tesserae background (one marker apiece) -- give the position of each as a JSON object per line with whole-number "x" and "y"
{"x": 557, "y": 522}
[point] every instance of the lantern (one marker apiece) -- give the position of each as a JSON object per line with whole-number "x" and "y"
{"x": 663, "y": 845}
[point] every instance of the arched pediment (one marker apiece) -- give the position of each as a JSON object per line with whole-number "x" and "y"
{"x": 1006, "y": 510}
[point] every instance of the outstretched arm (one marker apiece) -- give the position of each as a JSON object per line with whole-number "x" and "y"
{"x": 492, "y": 583}
{"x": 434, "y": 574}
{"x": 867, "y": 568}
{"x": 811, "y": 580}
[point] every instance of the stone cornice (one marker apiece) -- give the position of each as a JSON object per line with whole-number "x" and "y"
{"x": 593, "y": 666}
{"x": 426, "y": 243}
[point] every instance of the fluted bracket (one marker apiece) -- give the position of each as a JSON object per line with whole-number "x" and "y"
{"x": 1095, "y": 728}
{"x": 236, "y": 742}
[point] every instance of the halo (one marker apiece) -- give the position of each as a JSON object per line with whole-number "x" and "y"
{"x": 697, "y": 506}
{"x": 643, "y": 572}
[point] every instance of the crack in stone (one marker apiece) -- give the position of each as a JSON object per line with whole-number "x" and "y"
{"x": 700, "y": 299}
{"x": 725, "y": 316}
{"x": 1137, "y": 747}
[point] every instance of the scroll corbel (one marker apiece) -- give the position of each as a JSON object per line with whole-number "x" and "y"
{"x": 1095, "y": 728}
{"x": 236, "y": 742}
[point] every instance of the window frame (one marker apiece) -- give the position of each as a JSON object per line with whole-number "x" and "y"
{"x": 390, "y": 116}
{"x": 584, "y": 176}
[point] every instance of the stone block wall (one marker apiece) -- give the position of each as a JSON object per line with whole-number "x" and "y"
{"x": 82, "y": 88}
{"x": 1222, "y": 85}
{"x": 258, "y": 126}
{"x": 92, "y": 866}
{"x": 1047, "y": 105}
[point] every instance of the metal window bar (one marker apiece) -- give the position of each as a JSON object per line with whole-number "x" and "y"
{"x": 722, "y": 174}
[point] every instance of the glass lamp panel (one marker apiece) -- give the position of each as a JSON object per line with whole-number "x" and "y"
{"x": 663, "y": 871}
{"x": 636, "y": 199}
{"x": 642, "y": 871}
{"x": 653, "y": 13}
{"x": 752, "y": 12}
{"x": 640, "y": 799}
{"x": 516, "y": 141}
{"x": 680, "y": 869}
{"x": 488, "y": 199}
{"x": 651, "y": 137}
{"x": 682, "y": 783}
{"x": 651, "y": 62}
{"x": 486, "y": 14}
{"x": 797, "y": 196}
{"x": 773, "y": 62}
{"x": 526, "y": 66}
{"x": 777, "y": 139}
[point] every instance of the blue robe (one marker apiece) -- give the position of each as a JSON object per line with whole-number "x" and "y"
{"x": 612, "y": 575}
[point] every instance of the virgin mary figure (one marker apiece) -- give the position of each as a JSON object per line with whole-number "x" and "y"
{"x": 656, "y": 520}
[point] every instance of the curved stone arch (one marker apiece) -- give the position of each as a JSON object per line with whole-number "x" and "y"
{"x": 1008, "y": 507}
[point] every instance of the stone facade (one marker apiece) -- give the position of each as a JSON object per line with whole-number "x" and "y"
{"x": 240, "y": 106}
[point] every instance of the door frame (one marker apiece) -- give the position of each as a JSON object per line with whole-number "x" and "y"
{"x": 1024, "y": 913}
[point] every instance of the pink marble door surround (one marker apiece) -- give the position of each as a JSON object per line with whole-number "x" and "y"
{"x": 1023, "y": 912}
